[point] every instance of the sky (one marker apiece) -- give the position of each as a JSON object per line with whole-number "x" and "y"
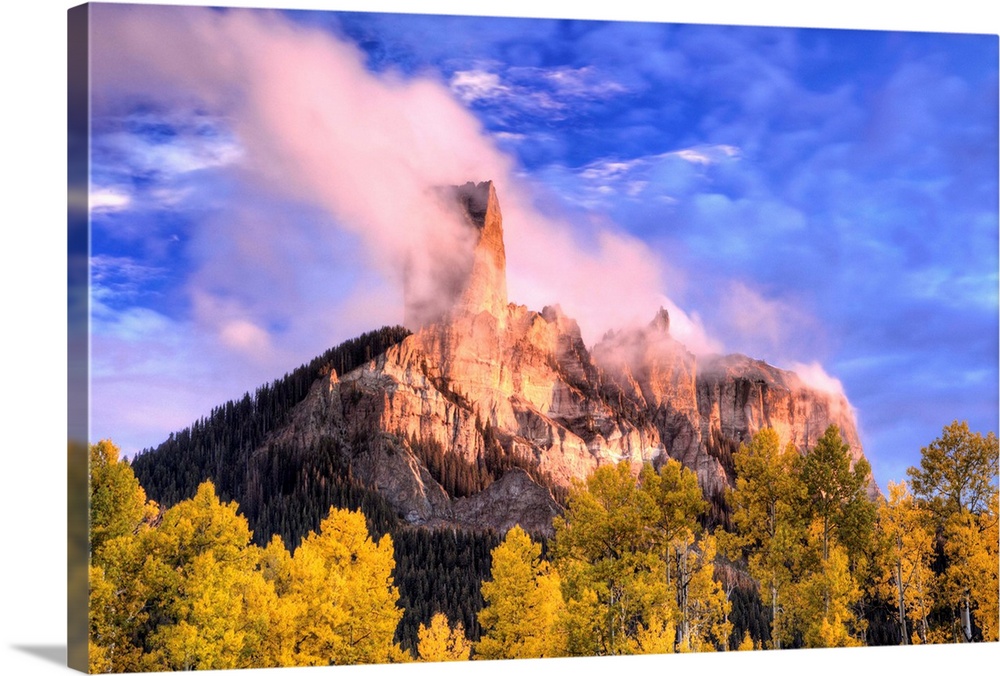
{"x": 825, "y": 200}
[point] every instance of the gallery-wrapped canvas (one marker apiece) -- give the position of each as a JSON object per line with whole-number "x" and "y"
{"x": 421, "y": 338}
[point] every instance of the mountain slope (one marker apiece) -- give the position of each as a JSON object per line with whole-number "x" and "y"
{"x": 486, "y": 414}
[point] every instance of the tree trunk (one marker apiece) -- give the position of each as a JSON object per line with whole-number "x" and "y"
{"x": 774, "y": 614}
{"x": 966, "y": 621}
{"x": 902, "y": 609}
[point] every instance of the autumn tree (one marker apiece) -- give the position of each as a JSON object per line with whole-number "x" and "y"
{"x": 118, "y": 608}
{"x": 957, "y": 481}
{"x": 118, "y": 504}
{"x": 702, "y": 606}
{"x": 612, "y": 576}
{"x": 908, "y": 581}
{"x": 957, "y": 473}
{"x": 836, "y": 492}
{"x": 638, "y": 572}
{"x": 769, "y": 509}
{"x": 678, "y": 499}
{"x": 699, "y": 600}
{"x": 970, "y": 581}
{"x": 439, "y": 642}
{"x": 211, "y": 604}
{"x": 843, "y": 517}
{"x": 524, "y": 611}
{"x": 119, "y": 513}
{"x": 342, "y": 583}
{"x": 819, "y": 610}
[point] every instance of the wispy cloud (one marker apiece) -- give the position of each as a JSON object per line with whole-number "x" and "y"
{"x": 666, "y": 177}
{"x": 511, "y": 93}
{"x": 477, "y": 85}
{"x": 109, "y": 199}
{"x": 299, "y": 193}
{"x": 708, "y": 154}
{"x": 843, "y": 186}
{"x": 117, "y": 278}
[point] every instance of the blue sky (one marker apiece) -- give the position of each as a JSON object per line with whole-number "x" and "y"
{"x": 822, "y": 199}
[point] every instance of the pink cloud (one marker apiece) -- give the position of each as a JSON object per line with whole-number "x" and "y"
{"x": 309, "y": 124}
{"x": 315, "y": 125}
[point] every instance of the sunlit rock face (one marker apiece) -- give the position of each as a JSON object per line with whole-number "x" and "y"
{"x": 738, "y": 396}
{"x": 515, "y": 394}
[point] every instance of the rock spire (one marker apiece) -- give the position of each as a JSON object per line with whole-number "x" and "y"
{"x": 471, "y": 276}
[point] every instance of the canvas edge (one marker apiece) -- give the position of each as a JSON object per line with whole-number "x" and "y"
{"x": 78, "y": 334}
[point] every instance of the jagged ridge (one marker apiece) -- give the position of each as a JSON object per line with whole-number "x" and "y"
{"x": 436, "y": 421}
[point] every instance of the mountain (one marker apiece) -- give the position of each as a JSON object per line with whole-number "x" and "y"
{"x": 485, "y": 415}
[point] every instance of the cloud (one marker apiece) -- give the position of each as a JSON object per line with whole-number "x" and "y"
{"x": 322, "y": 179}
{"x": 245, "y": 336}
{"x": 649, "y": 181}
{"x": 815, "y": 376}
{"x": 692, "y": 166}
{"x": 109, "y": 199}
{"x": 708, "y": 154}
{"x": 476, "y": 85}
{"x": 528, "y": 95}
{"x": 765, "y": 326}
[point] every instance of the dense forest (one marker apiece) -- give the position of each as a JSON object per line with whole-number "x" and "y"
{"x": 808, "y": 560}
{"x": 220, "y": 445}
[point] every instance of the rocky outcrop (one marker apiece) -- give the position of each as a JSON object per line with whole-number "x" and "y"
{"x": 466, "y": 275}
{"x": 738, "y": 396}
{"x": 513, "y": 500}
{"x": 486, "y": 287}
{"x": 481, "y": 416}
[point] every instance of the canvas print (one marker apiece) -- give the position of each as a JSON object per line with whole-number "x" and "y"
{"x": 429, "y": 338}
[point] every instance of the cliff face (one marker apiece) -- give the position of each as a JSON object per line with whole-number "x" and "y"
{"x": 480, "y": 417}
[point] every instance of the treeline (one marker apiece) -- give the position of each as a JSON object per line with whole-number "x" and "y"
{"x": 919, "y": 566}
{"x": 809, "y": 561}
{"x": 287, "y": 489}
{"x": 219, "y": 445}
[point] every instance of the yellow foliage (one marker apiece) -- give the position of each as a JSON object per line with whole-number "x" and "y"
{"x": 342, "y": 586}
{"x": 440, "y": 643}
{"x": 972, "y": 575}
{"x": 523, "y": 608}
{"x": 118, "y": 505}
{"x": 820, "y": 607}
{"x": 658, "y": 638}
{"x": 703, "y": 608}
{"x": 908, "y": 582}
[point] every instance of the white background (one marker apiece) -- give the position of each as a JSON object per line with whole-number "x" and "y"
{"x": 33, "y": 334}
